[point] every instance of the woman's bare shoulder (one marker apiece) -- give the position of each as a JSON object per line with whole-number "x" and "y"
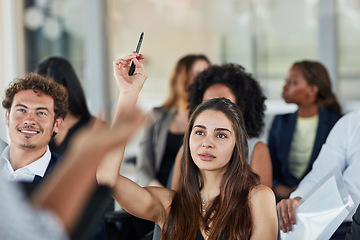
{"x": 263, "y": 210}
{"x": 261, "y": 193}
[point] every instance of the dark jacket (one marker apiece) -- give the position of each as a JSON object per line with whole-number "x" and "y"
{"x": 354, "y": 232}
{"x": 279, "y": 143}
{"x": 30, "y": 186}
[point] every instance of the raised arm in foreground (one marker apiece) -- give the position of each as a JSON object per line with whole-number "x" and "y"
{"x": 129, "y": 89}
{"x": 147, "y": 203}
{"x": 67, "y": 190}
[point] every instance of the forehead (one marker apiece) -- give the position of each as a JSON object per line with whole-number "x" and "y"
{"x": 32, "y": 99}
{"x": 296, "y": 71}
{"x": 213, "y": 119}
{"x": 199, "y": 66}
{"x": 219, "y": 90}
{"x": 200, "y": 63}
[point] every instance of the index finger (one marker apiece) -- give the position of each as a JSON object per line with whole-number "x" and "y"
{"x": 293, "y": 204}
{"x": 127, "y": 58}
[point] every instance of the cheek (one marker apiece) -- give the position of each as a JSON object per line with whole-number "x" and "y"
{"x": 46, "y": 125}
{"x": 299, "y": 92}
{"x": 229, "y": 150}
{"x": 293, "y": 91}
{"x": 14, "y": 119}
{"x": 192, "y": 147}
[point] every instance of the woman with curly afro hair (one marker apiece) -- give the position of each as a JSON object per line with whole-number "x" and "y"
{"x": 233, "y": 82}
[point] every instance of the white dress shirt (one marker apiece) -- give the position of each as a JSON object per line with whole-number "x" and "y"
{"x": 342, "y": 149}
{"x": 26, "y": 173}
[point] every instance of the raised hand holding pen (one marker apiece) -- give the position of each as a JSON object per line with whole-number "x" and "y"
{"x": 133, "y": 66}
{"x": 130, "y": 83}
{"x": 129, "y": 86}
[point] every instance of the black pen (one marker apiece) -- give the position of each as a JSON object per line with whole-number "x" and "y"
{"x": 132, "y": 67}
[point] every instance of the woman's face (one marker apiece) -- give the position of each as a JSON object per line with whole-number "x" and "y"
{"x": 212, "y": 141}
{"x": 219, "y": 90}
{"x": 199, "y": 66}
{"x": 296, "y": 89}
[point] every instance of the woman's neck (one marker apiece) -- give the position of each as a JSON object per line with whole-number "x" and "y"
{"x": 66, "y": 125}
{"x": 179, "y": 122}
{"x": 308, "y": 111}
{"x": 211, "y": 186}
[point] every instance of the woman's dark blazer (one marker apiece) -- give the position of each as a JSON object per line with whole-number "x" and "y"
{"x": 279, "y": 143}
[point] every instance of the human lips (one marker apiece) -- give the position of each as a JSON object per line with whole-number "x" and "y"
{"x": 284, "y": 95}
{"x": 206, "y": 156}
{"x": 29, "y": 131}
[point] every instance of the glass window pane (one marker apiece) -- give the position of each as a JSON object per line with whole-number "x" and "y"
{"x": 54, "y": 28}
{"x": 349, "y": 50}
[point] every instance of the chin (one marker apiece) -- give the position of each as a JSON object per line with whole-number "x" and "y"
{"x": 287, "y": 100}
{"x": 28, "y": 146}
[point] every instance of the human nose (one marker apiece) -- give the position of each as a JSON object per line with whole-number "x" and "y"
{"x": 29, "y": 119}
{"x": 285, "y": 87}
{"x": 207, "y": 143}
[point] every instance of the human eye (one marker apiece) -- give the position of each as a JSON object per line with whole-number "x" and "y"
{"x": 199, "y": 132}
{"x": 221, "y": 135}
{"x": 21, "y": 110}
{"x": 292, "y": 82}
{"x": 40, "y": 113}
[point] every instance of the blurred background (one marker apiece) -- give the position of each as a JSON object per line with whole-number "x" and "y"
{"x": 265, "y": 36}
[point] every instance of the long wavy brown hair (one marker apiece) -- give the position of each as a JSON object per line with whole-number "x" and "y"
{"x": 229, "y": 216}
{"x": 316, "y": 74}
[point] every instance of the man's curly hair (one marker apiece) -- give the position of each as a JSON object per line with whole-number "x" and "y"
{"x": 39, "y": 84}
{"x": 249, "y": 96}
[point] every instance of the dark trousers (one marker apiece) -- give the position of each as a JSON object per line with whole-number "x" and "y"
{"x": 340, "y": 233}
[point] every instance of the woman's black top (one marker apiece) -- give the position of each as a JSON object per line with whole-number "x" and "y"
{"x": 63, "y": 146}
{"x": 173, "y": 143}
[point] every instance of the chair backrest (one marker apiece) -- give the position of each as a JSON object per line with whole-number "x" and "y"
{"x": 92, "y": 216}
{"x": 157, "y": 232}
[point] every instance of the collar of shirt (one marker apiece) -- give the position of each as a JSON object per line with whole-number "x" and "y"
{"x": 26, "y": 173}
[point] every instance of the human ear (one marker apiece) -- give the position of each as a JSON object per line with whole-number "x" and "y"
{"x": 7, "y": 117}
{"x": 312, "y": 92}
{"x": 57, "y": 124}
{"x": 314, "y": 89}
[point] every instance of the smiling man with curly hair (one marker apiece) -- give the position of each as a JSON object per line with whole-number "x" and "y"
{"x": 35, "y": 108}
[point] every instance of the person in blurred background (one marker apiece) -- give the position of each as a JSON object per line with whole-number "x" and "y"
{"x": 295, "y": 139}
{"x": 163, "y": 138}
{"x": 78, "y": 114}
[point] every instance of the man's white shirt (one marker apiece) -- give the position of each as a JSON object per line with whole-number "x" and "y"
{"x": 26, "y": 173}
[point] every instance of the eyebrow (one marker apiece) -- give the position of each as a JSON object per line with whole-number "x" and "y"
{"x": 222, "y": 129}
{"x": 38, "y": 108}
{"x": 216, "y": 129}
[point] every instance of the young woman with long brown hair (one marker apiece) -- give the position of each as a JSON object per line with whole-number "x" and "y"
{"x": 219, "y": 197}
